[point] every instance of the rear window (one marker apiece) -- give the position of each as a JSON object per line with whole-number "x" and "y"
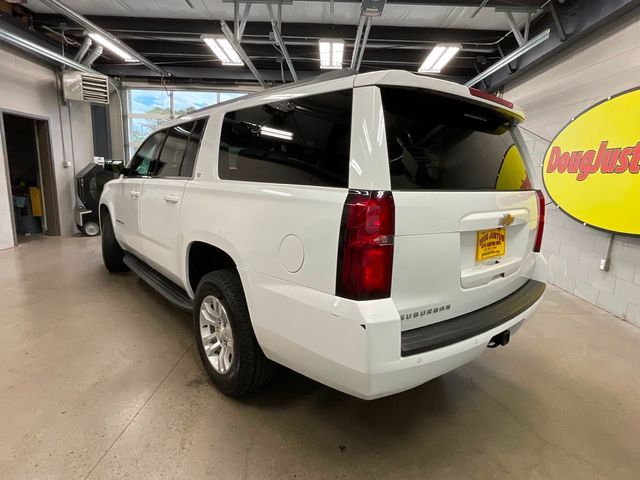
{"x": 438, "y": 142}
{"x": 301, "y": 141}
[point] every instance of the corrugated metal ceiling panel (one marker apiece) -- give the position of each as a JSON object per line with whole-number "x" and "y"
{"x": 300, "y": 12}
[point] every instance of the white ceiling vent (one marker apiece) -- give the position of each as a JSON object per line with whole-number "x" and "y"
{"x": 85, "y": 87}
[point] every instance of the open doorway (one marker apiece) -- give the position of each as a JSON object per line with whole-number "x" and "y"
{"x": 31, "y": 176}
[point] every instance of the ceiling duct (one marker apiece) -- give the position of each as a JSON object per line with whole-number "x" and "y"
{"x": 84, "y": 48}
{"x": 60, "y": 7}
{"x": 92, "y": 56}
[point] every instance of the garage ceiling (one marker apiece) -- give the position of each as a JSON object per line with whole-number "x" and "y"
{"x": 167, "y": 32}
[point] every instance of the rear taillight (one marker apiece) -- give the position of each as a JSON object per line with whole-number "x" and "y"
{"x": 491, "y": 97}
{"x": 365, "y": 252}
{"x": 541, "y": 211}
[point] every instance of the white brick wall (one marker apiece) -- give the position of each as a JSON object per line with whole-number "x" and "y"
{"x": 606, "y": 63}
{"x": 29, "y": 88}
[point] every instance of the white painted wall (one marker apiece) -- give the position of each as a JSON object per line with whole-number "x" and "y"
{"x": 608, "y": 62}
{"x": 29, "y": 88}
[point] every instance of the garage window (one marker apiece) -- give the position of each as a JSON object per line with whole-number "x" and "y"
{"x": 148, "y": 109}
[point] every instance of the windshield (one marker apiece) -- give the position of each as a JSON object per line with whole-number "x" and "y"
{"x": 440, "y": 142}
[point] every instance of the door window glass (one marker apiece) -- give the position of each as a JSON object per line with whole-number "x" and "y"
{"x": 170, "y": 158}
{"x": 193, "y": 145}
{"x": 141, "y": 162}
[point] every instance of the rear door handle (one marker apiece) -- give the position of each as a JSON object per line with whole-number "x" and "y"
{"x": 172, "y": 198}
{"x": 134, "y": 193}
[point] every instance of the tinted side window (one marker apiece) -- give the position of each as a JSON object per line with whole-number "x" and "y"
{"x": 175, "y": 145}
{"x": 193, "y": 146}
{"x": 303, "y": 141}
{"x": 142, "y": 161}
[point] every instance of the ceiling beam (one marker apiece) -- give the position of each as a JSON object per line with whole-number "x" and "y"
{"x": 222, "y": 74}
{"x": 240, "y": 51}
{"x": 363, "y": 45}
{"x": 178, "y": 27}
{"x": 217, "y": 74}
{"x": 155, "y": 49}
{"x": 275, "y": 28}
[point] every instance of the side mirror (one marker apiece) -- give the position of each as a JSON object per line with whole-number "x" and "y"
{"x": 114, "y": 166}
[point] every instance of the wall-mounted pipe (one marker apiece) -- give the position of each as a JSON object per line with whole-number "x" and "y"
{"x": 356, "y": 43}
{"x": 364, "y": 43}
{"x": 41, "y": 51}
{"x": 535, "y": 41}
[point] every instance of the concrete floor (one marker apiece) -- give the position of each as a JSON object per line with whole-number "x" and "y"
{"x": 99, "y": 378}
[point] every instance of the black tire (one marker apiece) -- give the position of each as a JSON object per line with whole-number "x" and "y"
{"x": 249, "y": 368}
{"x": 112, "y": 253}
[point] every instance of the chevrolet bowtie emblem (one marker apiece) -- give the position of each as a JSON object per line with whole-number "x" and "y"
{"x": 507, "y": 219}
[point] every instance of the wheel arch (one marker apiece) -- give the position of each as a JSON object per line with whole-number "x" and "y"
{"x": 102, "y": 212}
{"x": 202, "y": 257}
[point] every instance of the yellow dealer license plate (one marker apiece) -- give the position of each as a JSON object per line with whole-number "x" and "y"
{"x": 491, "y": 243}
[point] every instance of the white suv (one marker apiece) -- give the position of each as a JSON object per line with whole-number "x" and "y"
{"x": 371, "y": 232}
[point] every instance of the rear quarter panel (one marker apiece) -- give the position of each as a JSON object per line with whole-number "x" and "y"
{"x": 250, "y": 220}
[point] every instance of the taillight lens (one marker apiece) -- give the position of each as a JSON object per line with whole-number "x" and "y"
{"x": 541, "y": 212}
{"x": 365, "y": 252}
{"x": 491, "y": 97}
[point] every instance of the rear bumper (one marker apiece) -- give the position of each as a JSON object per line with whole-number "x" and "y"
{"x": 412, "y": 371}
{"x": 356, "y": 347}
{"x": 457, "y": 329}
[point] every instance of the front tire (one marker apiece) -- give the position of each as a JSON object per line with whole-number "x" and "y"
{"x": 226, "y": 342}
{"x": 112, "y": 253}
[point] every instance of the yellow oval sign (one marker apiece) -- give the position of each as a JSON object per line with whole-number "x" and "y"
{"x": 592, "y": 167}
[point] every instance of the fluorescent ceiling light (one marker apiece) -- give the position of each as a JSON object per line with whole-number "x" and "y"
{"x": 112, "y": 47}
{"x": 274, "y": 132}
{"x": 441, "y": 54}
{"x": 223, "y": 49}
{"x": 331, "y": 53}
